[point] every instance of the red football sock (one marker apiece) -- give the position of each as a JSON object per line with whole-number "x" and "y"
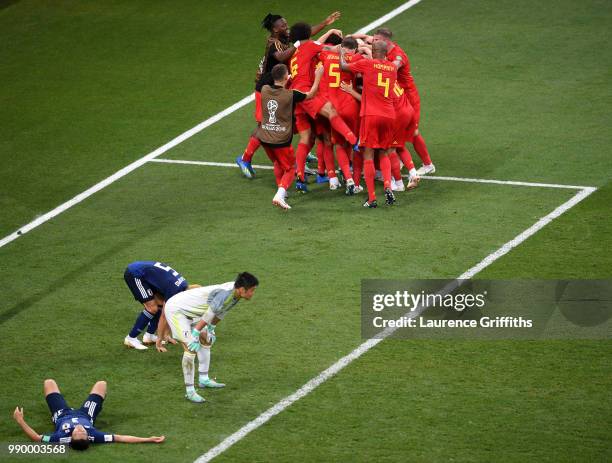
{"x": 340, "y": 126}
{"x": 330, "y": 165}
{"x": 396, "y": 168}
{"x": 287, "y": 179}
{"x": 370, "y": 172}
{"x": 320, "y": 158}
{"x": 385, "y": 168}
{"x": 250, "y": 149}
{"x": 357, "y": 167}
{"x": 278, "y": 173}
{"x": 343, "y": 161}
{"x": 301, "y": 154}
{"x": 406, "y": 158}
{"x": 421, "y": 149}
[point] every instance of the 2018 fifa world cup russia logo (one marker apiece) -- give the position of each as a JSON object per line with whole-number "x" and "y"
{"x": 272, "y": 107}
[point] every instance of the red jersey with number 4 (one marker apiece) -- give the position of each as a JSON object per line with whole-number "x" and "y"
{"x": 302, "y": 65}
{"x": 379, "y": 77}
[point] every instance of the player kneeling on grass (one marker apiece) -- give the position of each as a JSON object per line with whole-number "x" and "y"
{"x": 75, "y": 427}
{"x": 189, "y": 312}
{"x": 276, "y": 129}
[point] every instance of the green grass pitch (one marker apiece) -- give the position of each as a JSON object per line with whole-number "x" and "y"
{"x": 511, "y": 90}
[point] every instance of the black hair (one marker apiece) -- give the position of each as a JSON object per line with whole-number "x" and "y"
{"x": 386, "y": 33}
{"x": 79, "y": 444}
{"x": 350, "y": 43}
{"x": 269, "y": 20}
{"x": 300, "y": 31}
{"x": 334, "y": 39}
{"x": 279, "y": 71}
{"x": 245, "y": 279}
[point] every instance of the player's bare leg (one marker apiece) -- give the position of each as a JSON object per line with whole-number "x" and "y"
{"x": 50, "y": 386}
{"x": 99, "y": 388}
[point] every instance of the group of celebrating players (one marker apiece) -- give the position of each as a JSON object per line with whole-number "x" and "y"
{"x": 354, "y": 96}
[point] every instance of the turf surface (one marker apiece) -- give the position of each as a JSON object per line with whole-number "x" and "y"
{"x": 510, "y": 90}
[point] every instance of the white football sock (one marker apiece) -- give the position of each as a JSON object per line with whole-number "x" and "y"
{"x": 412, "y": 172}
{"x": 188, "y": 369}
{"x": 203, "y": 362}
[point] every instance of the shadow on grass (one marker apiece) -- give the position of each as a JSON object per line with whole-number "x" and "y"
{"x": 61, "y": 282}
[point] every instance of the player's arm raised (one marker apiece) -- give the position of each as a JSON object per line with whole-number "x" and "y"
{"x": 325, "y": 36}
{"x": 327, "y": 22}
{"x": 18, "y": 415}
{"x": 139, "y": 440}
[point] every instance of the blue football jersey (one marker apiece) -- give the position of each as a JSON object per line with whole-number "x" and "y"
{"x": 163, "y": 278}
{"x": 65, "y": 422}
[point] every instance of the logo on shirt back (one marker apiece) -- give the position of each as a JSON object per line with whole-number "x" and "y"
{"x": 272, "y": 107}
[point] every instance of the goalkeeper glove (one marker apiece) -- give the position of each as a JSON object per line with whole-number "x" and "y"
{"x": 211, "y": 333}
{"x": 195, "y": 345}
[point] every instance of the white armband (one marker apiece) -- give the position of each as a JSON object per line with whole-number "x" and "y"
{"x": 296, "y": 44}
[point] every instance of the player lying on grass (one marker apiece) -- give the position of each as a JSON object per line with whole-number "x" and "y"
{"x": 278, "y": 50}
{"x": 187, "y": 313}
{"x": 151, "y": 283}
{"x": 276, "y": 129}
{"x": 75, "y": 427}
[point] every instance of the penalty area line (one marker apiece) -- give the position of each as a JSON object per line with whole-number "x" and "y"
{"x": 370, "y": 343}
{"x": 426, "y": 177}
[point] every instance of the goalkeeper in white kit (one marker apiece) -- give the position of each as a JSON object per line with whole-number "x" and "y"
{"x": 193, "y": 315}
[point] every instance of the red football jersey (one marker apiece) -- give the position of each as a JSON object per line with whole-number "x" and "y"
{"x": 302, "y": 65}
{"x": 379, "y": 77}
{"x": 333, "y": 76}
{"x": 404, "y": 76}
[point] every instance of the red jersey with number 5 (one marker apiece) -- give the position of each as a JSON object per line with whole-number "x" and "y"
{"x": 379, "y": 77}
{"x": 333, "y": 76}
{"x": 302, "y": 65}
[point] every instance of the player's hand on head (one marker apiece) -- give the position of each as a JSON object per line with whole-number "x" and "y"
{"x": 332, "y": 17}
{"x": 336, "y": 31}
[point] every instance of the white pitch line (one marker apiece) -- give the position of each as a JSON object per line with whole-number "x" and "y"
{"x": 426, "y": 177}
{"x": 126, "y": 170}
{"x": 506, "y": 182}
{"x": 370, "y": 343}
{"x": 389, "y": 16}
